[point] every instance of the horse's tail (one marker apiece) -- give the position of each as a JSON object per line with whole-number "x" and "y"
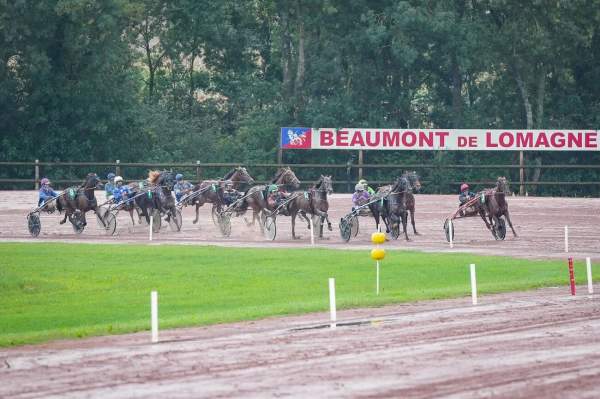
{"x": 59, "y": 206}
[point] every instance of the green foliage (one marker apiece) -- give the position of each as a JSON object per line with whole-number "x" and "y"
{"x": 52, "y": 291}
{"x": 180, "y": 80}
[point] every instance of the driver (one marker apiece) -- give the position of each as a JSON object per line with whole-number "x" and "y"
{"x": 110, "y": 185}
{"x": 230, "y": 195}
{"x": 360, "y": 196}
{"x": 46, "y": 193}
{"x": 365, "y": 184}
{"x": 277, "y": 195}
{"x": 120, "y": 192}
{"x": 465, "y": 195}
{"x": 182, "y": 187}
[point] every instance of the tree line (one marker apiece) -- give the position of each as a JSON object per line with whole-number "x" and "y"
{"x": 181, "y": 80}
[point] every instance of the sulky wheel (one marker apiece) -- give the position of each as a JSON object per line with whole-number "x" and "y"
{"x": 449, "y": 230}
{"x": 76, "y": 220}
{"x": 34, "y": 225}
{"x": 499, "y": 229}
{"x": 100, "y": 216}
{"x": 110, "y": 223}
{"x": 354, "y": 225}
{"x": 346, "y": 228}
{"x": 215, "y": 215}
{"x": 156, "y": 221}
{"x": 270, "y": 228}
{"x": 175, "y": 221}
{"x": 225, "y": 224}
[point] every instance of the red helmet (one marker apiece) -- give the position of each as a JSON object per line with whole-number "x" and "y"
{"x": 464, "y": 187}
{"x": 44, "y": 181}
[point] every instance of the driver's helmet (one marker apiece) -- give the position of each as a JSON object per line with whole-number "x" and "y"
{"x": 45, "y": 181}
{"x": 363, "y": 182}
{"x": 110, "y": 176}
{"x": 228, "y": 184}
{"x": 359, "y": 187}
{"x": 118, "y": 179}
{"x": 178, "y": 177}
{"x": 464, "y": 187}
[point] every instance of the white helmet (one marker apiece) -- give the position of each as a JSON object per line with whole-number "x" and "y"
{"x": 118, "y": 179}
{"x": 359, "y": 187}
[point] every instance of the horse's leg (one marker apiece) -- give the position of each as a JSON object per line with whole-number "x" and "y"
{"x": 412, "y": 221}
{"x": 197, "y": 212}
{"x": 507, "y": 216}
{"x": 131, "y": 215}
{"x": 67, "y": 214}
{"x": 294, "y": 237}
{"x": 404, "y": 220}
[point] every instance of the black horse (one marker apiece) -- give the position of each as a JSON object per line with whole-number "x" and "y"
{"x": 157, "y": 195}
{"x": 391, "y": 206}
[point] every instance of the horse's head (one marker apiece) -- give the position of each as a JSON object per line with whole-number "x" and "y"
{"x": 324, "y": 184}
{"x": 166, "y": 179}
{"x": 240, "y": 174}
{"x": 286, "y": 176}
{"x": 413, "y": 179}
{"x": 502, "y": 184}
{"x": 401, "y": 185}
{"x": 92, "y": 181}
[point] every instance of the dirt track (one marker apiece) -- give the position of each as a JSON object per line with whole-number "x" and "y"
{"x": 538, "y": 344}
{"x": 539, "y": 222}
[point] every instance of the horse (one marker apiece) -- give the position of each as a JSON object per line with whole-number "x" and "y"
{"x": 392, "y": 202}
{"x": 158, "y": 195}
{"x": 496, "y": 205}
{"x": 313, "y": 202}
{"x": 212, "y": 190}
{"x": 414, "y": 186}
{"x": 80, "y": 199}
{"x": 256, "y": 197}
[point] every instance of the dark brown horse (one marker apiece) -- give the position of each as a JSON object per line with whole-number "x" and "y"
{"x": 256, "y": 197}
{"x": 496, "y": 205}
{"x": 313, "y": 202}
{"x": 211, "y": 191}
{"x": 79, "y": 199}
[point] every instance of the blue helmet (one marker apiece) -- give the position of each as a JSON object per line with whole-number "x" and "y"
{"x": 178, "y": 177}
{"x": 110, "y": 176}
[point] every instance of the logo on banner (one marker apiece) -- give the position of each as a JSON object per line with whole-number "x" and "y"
{"x": 296, "y": 137}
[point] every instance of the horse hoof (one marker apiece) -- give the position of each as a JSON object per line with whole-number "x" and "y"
{"x": 296, "y": 237}
{"x": 194, "y": 221}
{"x": 329, "y": 227}
{"x": 417, "y": 234}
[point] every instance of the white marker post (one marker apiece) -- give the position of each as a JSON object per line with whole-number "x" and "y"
{"x": 566, "y": 238}
{"x": 451, "y": 233}
{"x": 588, "y": 264}
{"x": 312, "y": 231}
{"x": 473, "y": 285}
{"x": 377, "y": 277}
{"x": 151, "y": 227}
{"x": 154, "y": 315}
{"x": 332, "y": 303}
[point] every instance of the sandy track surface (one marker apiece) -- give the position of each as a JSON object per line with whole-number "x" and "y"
{"x": 539, "y": 222}
{"x": 538, "y": 344}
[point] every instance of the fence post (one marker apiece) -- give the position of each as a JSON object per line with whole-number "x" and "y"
{"x": 37, "y": 174}
{"x": 198, "y": 171}
{"x": 118, "y": 168}
{"x": 521, "y": 173}
{"x": 360, "y": 164}
{"x": 348, "y": 174}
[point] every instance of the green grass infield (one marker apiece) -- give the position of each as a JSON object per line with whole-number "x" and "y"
{"x": 51, "y": 291}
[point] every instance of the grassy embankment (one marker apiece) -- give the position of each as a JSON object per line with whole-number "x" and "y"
{"x": 50, "y": 291}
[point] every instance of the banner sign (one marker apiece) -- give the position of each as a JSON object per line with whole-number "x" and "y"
{"x": 440, "y": 139}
